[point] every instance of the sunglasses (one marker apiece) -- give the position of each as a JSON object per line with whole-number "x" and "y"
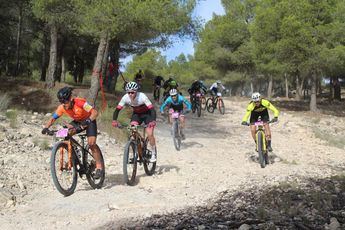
{"x": 174, "y": 96}
{"x": 131, "y": 92}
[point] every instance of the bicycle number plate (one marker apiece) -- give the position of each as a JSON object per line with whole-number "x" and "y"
{"x": 198, "y": 95}
{"x": 62, "y": 133}
{"x": 258, "y": 123}
{"x": 219, "y": 94}
{"x": 175, "y": 115}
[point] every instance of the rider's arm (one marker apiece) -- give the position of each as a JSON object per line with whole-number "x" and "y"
{"x": 118, "y": 108}
{"x": 271, "y": 107}
{"x": 249, "y": 110}
{"x": 213, "y": 85}
{"x": 187, "y": 103}
{"x": 165, "y": 103}
{"x": 149, "y": 105}
{"x": 58, "y": 113}
{"x": 222, "y": 86}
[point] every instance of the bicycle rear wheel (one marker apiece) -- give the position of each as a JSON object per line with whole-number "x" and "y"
{"x": 90, "y": 166}
{"x": 221, "y": 106}
{"x": 260, "y": 147}
{"x": 176, "y": 135}
{"x": 130, "y": 163}
{"x": 64, "y": 177}
{"x": 209, "y": 105}
{"x": 149, "y": 167}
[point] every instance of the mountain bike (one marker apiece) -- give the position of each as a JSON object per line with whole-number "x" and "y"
{"x": 203, "y": 102}
{"x": 261, "y": 142}
{"x": 70, "y": 158}
{"x": 197, "y": 103}
{"x": 216, "y": 102}
{"x": 135, "y": 152}
{"x": 176, "y": 130}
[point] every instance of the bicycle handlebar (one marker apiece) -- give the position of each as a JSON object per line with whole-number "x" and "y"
{"x": 269, "y": 122}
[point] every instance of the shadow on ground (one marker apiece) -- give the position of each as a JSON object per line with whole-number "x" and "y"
{"x": 312, "y": 204}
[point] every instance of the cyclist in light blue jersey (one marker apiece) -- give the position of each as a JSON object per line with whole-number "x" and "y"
{"x": 175, "y": 102}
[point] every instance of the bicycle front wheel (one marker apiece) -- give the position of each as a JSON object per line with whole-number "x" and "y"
{"x": 209, "y": 105}
{"x": 149, "y": 167}
{"x": 260, "y": 148}
{"x": 64, "y": 175}
{"x": 130, "y": 163}
{"x": 198, "y": 108}
{"x": 90, "y": 166}
{"x": 176, "y": 135}
{"x": 221, "y": 106}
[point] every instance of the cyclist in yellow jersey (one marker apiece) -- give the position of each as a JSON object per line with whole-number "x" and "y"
{"x": 258, "y": 108}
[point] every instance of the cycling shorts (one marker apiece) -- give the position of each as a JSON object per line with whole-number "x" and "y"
{"x": 142, "y": 117}
{"x": 255, "y": 115}
{"x": 91, "y": 130}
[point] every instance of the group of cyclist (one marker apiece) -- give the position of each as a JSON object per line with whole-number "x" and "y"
{"x": 84, "y": 115}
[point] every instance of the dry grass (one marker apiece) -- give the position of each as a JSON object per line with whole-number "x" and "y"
{"x": 4, "y": 101}
{"x": 335, "y": 141}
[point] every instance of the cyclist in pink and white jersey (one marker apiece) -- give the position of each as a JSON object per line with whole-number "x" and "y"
{"x": 143, "y": 111}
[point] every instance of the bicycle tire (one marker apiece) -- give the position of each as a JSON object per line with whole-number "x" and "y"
{"x": 149, "y": 167}
{"x": 260, "y": 146}
{"x": 176, "y": 135}
{"x": 198, "y": 108}
{"x": 58, "y": 147}
{"x": 91, "y": 169}
{"x": 130, "y": 159}
{"x": 203, "y": 103}
{"x": 221, "y": 106}
{"x": 209, "y": 105}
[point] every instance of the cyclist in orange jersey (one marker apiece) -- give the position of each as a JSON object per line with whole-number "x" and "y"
{"x": 84, "y": 118}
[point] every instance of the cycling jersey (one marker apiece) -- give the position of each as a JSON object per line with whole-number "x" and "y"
{"x": 214, "y": 86}
{"x": 158, "y": 80}
{"x": 176, "y": 105}
{"x": 197, "y": 87}
{"x": 79, "y": 111}
{"x": 141, "y": 104}
{"x": 262, "y": 108}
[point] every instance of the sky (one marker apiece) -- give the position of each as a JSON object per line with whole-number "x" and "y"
{"x": 205, "y": 10}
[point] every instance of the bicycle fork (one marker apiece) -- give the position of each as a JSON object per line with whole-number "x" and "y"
{"x": 263, "y": 140}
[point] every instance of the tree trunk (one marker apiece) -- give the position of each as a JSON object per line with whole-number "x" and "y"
{"x": 105, "y": 65}
{"x": 116, "y": 57}
{"x": 270, "y": 86}
{"x": 44, "y": 63}
{"x": 312, "y": 104}
{"x": 286, "y": 86}
{"x": 299, "y": 87}
{"x": 63, "y": 69}
{"x": 50, "y": 83}
{"x": 97, "y": 68}
{"x": 19, "y": 37}
{"x": 251, "y": 86}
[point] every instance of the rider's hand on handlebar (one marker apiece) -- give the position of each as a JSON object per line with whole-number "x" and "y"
{"x": 115, "y": 124}
{"x": 151, "y": 124}
{"x": 244, "y": 123}
{"x": 86, "y": 122}
{"x": 275, "y": 119}
{"x": 45, "y": 131}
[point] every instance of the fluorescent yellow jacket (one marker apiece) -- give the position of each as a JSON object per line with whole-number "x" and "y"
{"x": 265, "y": 105}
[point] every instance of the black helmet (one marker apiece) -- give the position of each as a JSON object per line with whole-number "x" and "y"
{"x": 64, "y": 94}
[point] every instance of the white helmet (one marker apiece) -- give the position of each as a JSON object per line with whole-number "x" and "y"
{"x": 256, "y": 96}
{"x": 173, "y": 92}
{"x": 218, "y": 82}
{"x": 131, "y": 86}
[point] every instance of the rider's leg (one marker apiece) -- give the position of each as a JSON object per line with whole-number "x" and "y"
{"x": 268, "y": 136}
{"x": 91, "y": 133}
{"x": 152, "y": 141}
{"x": 182, "y": 122}
{"x": 252, "y": 131}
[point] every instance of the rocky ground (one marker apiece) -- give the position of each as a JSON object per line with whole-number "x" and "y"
{"x": 214, "y": 182}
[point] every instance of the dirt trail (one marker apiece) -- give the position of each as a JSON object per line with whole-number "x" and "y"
{"x": 216, "y": 156}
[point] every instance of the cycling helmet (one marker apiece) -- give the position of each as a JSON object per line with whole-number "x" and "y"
{"x": 64, "y": 94}
{"x": 173, "y": 83}
{"x": 173, "y": 92}
{"x": 218, "y": 82}
{"x": 131, "y": 86}
{"x": 256, "y": 96}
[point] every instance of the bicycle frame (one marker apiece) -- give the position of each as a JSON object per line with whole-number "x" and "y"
{"x": 137, "y": 138}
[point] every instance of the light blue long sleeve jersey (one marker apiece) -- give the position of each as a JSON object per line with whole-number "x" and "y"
{"x": 176, "y": 105}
